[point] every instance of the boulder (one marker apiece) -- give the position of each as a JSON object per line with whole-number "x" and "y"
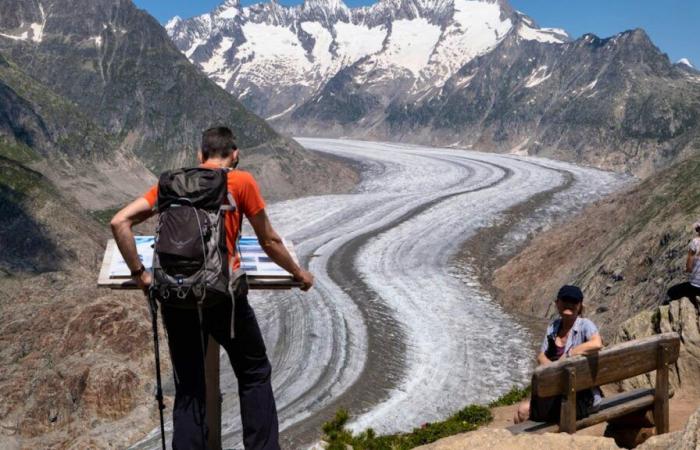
{"x": 688, "y": 439}
{"x": 682, "y": 317}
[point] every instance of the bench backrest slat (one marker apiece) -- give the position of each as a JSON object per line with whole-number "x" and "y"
{"x": 611, "y": 364}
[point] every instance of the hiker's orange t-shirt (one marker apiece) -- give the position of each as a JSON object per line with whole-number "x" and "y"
{"x": 248, "y": 199}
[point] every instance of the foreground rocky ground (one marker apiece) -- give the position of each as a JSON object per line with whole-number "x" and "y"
{"x": 499, "y": 439}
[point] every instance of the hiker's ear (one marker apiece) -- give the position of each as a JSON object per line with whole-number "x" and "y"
{"x": 200, "y": 157}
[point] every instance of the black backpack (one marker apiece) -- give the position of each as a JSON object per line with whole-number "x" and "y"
{"x": 190, "y": 258}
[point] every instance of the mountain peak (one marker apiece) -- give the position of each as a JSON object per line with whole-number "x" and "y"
{"x": 686, "y": 62}
{"x": 172, "y": 23}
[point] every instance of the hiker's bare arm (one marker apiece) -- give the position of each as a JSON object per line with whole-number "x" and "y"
{"x": 272, "y": 243}
{"x": 689, "y": 262}
{"x": 542, "y": 360}
{"x": 122, "y": 222}
{"x": 594, "y": 344}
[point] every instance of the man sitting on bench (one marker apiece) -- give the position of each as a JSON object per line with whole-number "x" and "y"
{"x": 568, "y": 335}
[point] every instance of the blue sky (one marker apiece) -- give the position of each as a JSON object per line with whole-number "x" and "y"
{"x": 674, "y": 25}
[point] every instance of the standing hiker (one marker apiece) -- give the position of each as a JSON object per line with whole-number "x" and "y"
{"x": 231, "y": 322}
{"x": 691, "y": 288}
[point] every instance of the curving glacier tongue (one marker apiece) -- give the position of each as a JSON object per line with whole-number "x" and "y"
{"x": 395, "y": 329}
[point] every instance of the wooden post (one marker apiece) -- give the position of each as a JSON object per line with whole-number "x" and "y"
{"x": 211, "y": 371}
{"x": 661, "y": 391}
{"x": 567, "y": 419}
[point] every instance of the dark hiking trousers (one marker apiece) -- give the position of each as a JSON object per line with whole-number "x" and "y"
{"x": 683, "y": 290}
{"x": 250, "y": 364}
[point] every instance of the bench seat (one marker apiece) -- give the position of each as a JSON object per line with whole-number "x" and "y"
{"x": 610, "y": 407}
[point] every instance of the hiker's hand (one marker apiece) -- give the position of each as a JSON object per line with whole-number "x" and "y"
{"x": 143, "y": 281}
{"x": 306, "y": 279}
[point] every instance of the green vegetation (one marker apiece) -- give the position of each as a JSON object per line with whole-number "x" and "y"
{"x": 338, "y": 437}
{"x": 467, "y": 419}
{"x": 17, "y": 151}
{"x": 511, "y": 397}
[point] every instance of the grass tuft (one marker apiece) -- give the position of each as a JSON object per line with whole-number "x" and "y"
{"x": 511, "y": 397}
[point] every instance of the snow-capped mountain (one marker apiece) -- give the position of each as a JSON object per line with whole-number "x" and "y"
{"x": 274, "y": 58}
{"x": 686, "y": 62}
{"x": 468, "y": 73}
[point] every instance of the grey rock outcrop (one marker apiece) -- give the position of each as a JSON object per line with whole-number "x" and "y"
{"x": 682, "y": 317}
{"x": 688, "y": 439}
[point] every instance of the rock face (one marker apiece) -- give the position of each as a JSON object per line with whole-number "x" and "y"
{"x": 688, "y": 439}
{"x": 451, "y": 72}
{"x": 51, "y": 135}
{"x": 624, "y": 252}
{"x": 77, "y": 360}
{"x": 682, "y": 317}
{"x": 118, "y": 66}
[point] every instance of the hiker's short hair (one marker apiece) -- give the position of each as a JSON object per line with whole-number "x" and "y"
{"x": 218, "y": 142}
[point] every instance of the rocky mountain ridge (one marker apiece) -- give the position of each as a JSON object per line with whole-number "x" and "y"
{"x": 473, "y": 74}
{"x": 273, "y": 58}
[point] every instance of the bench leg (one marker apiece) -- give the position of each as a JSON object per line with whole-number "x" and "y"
{"x": 661, "y": 391}
{"x": 567, "y": 420}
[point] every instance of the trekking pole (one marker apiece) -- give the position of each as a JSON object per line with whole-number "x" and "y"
{"x": 159, "y": 389}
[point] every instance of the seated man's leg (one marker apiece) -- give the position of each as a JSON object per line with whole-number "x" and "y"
{"x": 679, "y": 291}
{"x": 189, "y": 411}
{"x": 252, "y": 368}
{"x": 522, "y": 413}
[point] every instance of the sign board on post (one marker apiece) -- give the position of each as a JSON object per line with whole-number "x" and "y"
{"x": 261, "y": 271}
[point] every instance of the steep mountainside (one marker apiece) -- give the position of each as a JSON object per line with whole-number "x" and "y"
{"x": 117, "y": 64}
{"x": 624, "y": 252}
{"x": 53, "y": 136}
{"x": 616, "y": 103}
{"x": 451, "y": 72}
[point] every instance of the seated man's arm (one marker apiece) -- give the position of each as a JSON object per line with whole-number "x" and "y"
{"x": 690, "y": 261}
{"x": 122, "y": 223}
{"x": 594, "y": 344}
{"x": 273, "y": 246}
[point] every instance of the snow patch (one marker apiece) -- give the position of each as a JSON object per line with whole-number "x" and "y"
{"x": 686, "y": 61}
{"x": 476, "y": 28}
{"x": 229, "y": 13}
{"x": 216, "y": 65}
{"x": 276, "y": 116}
{"x": 33, "y": 31}
{"x": 172, "y": 23}
{"x": 538, "y": 76}
{"x": 357, "y": 41}
{"x": 411, "y": 43}
{"x": 545, "y": 35}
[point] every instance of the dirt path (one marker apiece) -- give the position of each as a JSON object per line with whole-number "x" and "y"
{"x": 681, "y": 408}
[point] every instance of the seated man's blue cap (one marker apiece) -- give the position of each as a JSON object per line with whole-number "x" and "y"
{"x": 568, "y": 292}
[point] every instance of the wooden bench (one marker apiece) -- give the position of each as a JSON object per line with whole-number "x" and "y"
{"x": 612, "y": 364}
